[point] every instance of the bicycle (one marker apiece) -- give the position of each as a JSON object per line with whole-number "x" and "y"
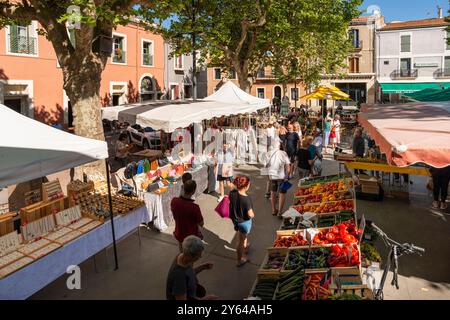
{"x": 395, "y": 252}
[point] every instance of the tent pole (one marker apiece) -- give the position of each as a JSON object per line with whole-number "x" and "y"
{"x": 111, "y": 214}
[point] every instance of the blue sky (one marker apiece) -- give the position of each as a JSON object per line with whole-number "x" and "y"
{"x": 408, "y": 9}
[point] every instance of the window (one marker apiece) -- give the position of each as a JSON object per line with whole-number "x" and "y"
{"x": 119, "y": 49}
{"x": 447, "y": 41}
{"x": 386, "y": 62}
{"x": 22, "y": 40}
{"x": 233, "y": 74}
{"x": 405, "y": 43}
{"x": 147, "y": 53}
{"x": 353, "y": 65}
{"x": 217, "y": 74}
{"x": 261, "y": 73}
{"x": 447, "y": 64}
{"x": 260, "y": 92}
{"x": 294, "y": 94}
{"x": 178, "y": 62}
{"x": 354, "y": 37}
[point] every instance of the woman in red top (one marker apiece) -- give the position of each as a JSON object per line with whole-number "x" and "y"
{"x": 187, "y": 215}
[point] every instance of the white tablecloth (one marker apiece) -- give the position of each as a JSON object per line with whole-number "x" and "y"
{"x": 27, "y": 281}
{"x": 158, "y": 205}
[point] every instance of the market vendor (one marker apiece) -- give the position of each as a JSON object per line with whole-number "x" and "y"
{"x": 182, "y": 282}
{"x": 358, "y": 146}
{"x": 122, "y": 149}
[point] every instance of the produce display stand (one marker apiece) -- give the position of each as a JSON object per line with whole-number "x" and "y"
{"x": 305, "y": 271}
{"x": 388, "y": 168}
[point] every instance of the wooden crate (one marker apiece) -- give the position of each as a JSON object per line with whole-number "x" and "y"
{"x": 41, "y": 209}
{"x": 6, "y": 225}
{"x": 32, "y": 197}
{"x": 360, "y": 290}
{"x": 282, "y": 251}
{"x": 51, "y": 190}
{"x": 370, "y": 189}
{"x": 348, "y": 276}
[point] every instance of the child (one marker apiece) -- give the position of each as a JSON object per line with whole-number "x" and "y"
{"x": 185, "y": 178}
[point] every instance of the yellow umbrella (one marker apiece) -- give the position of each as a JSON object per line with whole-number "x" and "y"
{"x": 325, "y": 96}
{"x": 333, "y": 90}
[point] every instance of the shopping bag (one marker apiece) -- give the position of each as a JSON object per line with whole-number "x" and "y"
{"x": 285, "y": 186}
{"x": 223, "y": 208}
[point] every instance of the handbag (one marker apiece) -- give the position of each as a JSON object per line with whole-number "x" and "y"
{"x": 285, "y": 186}
{"x": 223, "y": 208}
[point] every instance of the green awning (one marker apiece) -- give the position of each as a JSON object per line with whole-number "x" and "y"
{"x": 431, "y": 95}
{"x": 412, "y": 87}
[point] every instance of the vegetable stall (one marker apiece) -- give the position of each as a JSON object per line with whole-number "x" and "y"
{"x": 316, "y": 254}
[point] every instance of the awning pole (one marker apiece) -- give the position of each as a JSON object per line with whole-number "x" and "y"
{"x": 111, "y": 214}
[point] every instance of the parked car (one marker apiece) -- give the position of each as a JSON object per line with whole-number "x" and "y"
{"x": 144, "y": 137}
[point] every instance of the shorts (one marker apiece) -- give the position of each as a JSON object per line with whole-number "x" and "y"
{"x": 220, "y": 178}
{"x": 275, "y": 185}
{"x": 243, "y": 227}
{"x": 291, "y": 154}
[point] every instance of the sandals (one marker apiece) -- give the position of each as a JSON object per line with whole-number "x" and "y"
{"x": 435, "y": 205}
{"x": 275, "y": 212}
{"x": 444, "y": 206}
{"x": 240, "y": 264}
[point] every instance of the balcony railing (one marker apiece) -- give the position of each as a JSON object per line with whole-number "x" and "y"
{"x": 23, "y": 45}
{"x": 147, "y": 59}
{"x": 265, "y": 75}
{"x": 404, "y": 73}
{"x": 118, "y": 56}
{"x": 442, "y": 73}
{"x": 357, "y": 45}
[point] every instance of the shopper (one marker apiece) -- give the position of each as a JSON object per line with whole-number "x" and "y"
{"x": 122, "y": 149}
{"x": 335, "y": 136}
{"x": 225, "y": 170}
{"x": 182, "y": 282}
{"x": 327, "y": 129}
{"x": 241, "y": 213}
{"x": 298, "y": 129}
{"x": 441, "y": 178}
{"x": 282, "y": 131}
{"x": 304, "y": 167}
{"x": 292, "y": 142}
{"x": 315, "y": 155}
{"x": 358, "y": 147}
{"x": 278, "y": 165}
{"x": 187, "y": 214}
{"x": 185, "y": 178}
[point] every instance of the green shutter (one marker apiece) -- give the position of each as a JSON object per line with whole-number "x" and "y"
{"x": 14, "y": 39}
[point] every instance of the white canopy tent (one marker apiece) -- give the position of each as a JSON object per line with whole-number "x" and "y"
{"x": 30, "y": 149}
{"x": 228, "y": 100}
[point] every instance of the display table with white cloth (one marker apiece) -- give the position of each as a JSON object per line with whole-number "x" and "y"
{"x": 158, "y": 205}
{"x": 35, "y": 276}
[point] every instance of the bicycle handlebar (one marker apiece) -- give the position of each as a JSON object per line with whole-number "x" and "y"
{"x": 408, "y": 246}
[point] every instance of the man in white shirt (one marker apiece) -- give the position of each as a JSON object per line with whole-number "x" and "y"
{"x": 278, "y": 170}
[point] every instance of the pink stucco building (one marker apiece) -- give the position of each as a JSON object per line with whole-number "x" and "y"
{"x": 31, "y": 80}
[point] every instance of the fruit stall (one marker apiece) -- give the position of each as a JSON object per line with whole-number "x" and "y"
{"x": 320, "y": 260}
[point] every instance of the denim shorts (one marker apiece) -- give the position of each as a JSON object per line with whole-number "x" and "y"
{"x": 243, "y": 227}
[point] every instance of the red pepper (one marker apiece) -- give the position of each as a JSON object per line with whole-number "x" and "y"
{"x": 330, "y": 236}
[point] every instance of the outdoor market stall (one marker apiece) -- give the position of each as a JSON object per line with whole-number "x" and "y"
{"x": 159, "y": 186}
{"x": 410, "y": 133}
{"x": 316, "y": 254}
{"x": 53, "y": 225}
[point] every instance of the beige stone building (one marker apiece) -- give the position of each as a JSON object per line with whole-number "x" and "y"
{"x": 359, "y": 79}
{"x": 264, "y": 85}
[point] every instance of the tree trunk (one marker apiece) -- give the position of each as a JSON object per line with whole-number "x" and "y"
{"x": 83, "y": 89}
{"x": 242, "y": 75}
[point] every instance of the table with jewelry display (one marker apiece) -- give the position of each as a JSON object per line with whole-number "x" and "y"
{"x": 74, "y": 247}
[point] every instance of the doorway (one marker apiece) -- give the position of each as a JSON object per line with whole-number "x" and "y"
{"x": 277, "y": 92}
{"x": 14, "y": 103}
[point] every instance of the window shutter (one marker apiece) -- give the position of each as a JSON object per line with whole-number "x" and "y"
{"x": 13, "y": 39}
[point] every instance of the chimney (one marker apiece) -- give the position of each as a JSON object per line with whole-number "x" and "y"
{"x": 440, "y": 12}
